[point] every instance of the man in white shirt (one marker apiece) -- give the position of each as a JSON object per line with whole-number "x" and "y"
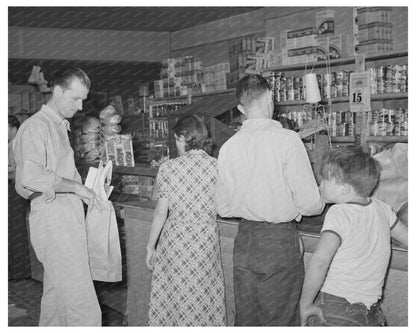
{"x": 265, "y": 178}
{"x": 47, "y": 176}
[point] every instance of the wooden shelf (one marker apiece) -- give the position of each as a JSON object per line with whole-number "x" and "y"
{"x": 345, "y": 99}
{"x": 342, "y": 139}
{"x": 137, "y": 171}
{"x": 183, "y": 98}
{"x": 335, "y": 62}
{"x": 387, "y": 139}
{"x": 158, "y": 118}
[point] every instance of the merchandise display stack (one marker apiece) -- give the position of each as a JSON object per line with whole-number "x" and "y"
{"x": 118, "y": 148}
{"x": 179, "y": 77}
{"x": 375, "y": 30}
{"x": 249, "y": 55}
{"x": 87, "y": 143}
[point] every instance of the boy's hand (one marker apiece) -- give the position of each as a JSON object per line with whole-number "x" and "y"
{"x": 309, "y": 311}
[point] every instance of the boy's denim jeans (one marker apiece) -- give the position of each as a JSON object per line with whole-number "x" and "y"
{"x": 338, "y": 311}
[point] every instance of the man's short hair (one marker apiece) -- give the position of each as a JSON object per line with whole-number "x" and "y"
{"x": 352, "y": 166}
{"x": 64, "y": 78}
{"x": 14, "y": 122}
{"x": 251, "y": 87}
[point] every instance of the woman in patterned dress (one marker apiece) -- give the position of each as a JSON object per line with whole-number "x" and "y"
{"x": 187, "y": 279}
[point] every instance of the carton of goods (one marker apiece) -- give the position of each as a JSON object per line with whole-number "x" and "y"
{"x": 120, "y": 150}
{"x": 325, "y": 22}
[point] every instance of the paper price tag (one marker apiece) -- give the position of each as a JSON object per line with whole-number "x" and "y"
{"x": 360, "y": 92}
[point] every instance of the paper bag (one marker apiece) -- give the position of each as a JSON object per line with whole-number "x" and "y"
{"x": 104, "y": 244}
{"x": 392, "y": 187}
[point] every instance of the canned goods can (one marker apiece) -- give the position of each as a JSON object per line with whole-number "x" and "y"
{"x": 389, "y": 128}
{"x": 290, "y": 94}
{"x": 382, "y": 128}
{"x": 373, "y": 128}
{"x": 391, "y": 115}
{"x": 338, "y": 90}
{"x": 338, "y": 119}
{"x": 404, "y": 128}
{"x": 341, "y": 129}
{"x": 381, "y": 73}
{"x": 289, "y": 83}
{"x": 296, "y": 82}
{"x": 348, "y": 117}
{"x": 380, "y": 86}
{"x": 333, "y": 91}
{"x": 373, "y": 81}
{"x": 339, "y": 77}
{"x": 345, "y": 89}
{"x": 389, "y": 72}
{"x": 396, "y": 128}
{"x": 282, "y": 94}
{"x": 397, "y": 71}
{"x": 296, "y": 94}
{"x": 388, "y": 86}
{"x": 350, "y": 129}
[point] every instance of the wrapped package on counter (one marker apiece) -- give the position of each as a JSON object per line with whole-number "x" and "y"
{"x": 107, "y": 112}
{"x": 113, "y": 120}
{"x": 110, "y": 120}
{"x": 91, "y": 139}
{"x": 91, "y": 125}
{"x": 111, "y": 129}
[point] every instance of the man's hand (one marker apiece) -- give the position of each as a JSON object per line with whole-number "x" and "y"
{"x": 311, "y": 310}
{"x": 89, "y": 197}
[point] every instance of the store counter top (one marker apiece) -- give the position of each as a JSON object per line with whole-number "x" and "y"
{"x": 138, "y": 217}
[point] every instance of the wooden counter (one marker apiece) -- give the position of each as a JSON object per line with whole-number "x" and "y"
{"x": 138, "y": 220}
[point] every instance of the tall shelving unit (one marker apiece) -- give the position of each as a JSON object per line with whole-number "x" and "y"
{"x": 378, "y": 101}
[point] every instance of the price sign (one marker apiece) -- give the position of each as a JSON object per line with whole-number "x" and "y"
{"x": 360, "y": 92}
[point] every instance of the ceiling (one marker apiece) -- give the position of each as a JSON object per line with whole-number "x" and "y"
{"x": 120, "y": 18}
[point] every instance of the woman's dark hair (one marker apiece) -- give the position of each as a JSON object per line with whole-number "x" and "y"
{"x": 195, "y": 133}
{"x": 64, "y": 78}
{"x": 14, "y": 122}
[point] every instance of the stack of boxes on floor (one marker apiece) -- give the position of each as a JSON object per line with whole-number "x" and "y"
{"x": 375, "y": 30}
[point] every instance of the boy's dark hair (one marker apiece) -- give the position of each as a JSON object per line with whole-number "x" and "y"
{"x": 14, "y": 122}
{"x": 251, "y": 87}
{"x": 64, "y": 77}
{"x": 352, "y": 166}
{"x": 195, "y": 132}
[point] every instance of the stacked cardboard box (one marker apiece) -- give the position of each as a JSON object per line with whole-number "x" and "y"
{"x": 214, "y": 77}
{"x": 310, "y": 44}
{"x": 178, "y": 76}
{"x": 249, "y": 55}
{"x": 375, "y": 30}
{"x": 119, "y": 150}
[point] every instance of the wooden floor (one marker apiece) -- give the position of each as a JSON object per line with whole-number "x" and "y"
{"x": 26, "y": 294}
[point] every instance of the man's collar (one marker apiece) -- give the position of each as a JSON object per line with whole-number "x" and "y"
{"x": 52, "y": 115}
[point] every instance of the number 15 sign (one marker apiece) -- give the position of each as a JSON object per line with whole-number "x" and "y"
{"x": 360, "y": 92}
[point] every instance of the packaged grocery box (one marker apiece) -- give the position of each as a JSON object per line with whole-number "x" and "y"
{"x": 119, "y": 150}
{"x": 325, "y": 22}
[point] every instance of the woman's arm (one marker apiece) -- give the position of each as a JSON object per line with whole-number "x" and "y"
{"x": 159, "y": 218}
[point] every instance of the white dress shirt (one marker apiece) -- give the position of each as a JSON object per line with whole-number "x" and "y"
{"x": 264, "y": 174}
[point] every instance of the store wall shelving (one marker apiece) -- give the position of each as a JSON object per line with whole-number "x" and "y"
{"x": 357, "y": 63}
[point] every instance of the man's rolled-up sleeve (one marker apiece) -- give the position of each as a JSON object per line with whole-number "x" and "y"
{"x": 30, "y": 152}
